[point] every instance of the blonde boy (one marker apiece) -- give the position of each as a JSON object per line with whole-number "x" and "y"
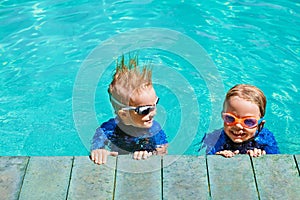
{"x": 133, "y": 130}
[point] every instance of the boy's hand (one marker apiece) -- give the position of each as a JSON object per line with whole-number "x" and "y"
{"x": 138, "y": 155}
{"x": 228, "y": 153}
{"x": 99, "y": 156}
{"x": 256, "y": 152}
{"x": 162, "y": 150}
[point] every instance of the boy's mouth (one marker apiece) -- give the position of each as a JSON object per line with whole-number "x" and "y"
{"x": 148, "y": 121}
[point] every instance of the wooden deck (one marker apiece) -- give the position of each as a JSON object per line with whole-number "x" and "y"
{"x": 168, "y": 177}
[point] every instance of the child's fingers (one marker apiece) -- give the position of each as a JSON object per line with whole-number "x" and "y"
{"x": 96, "y": 157}
{"x": 103, "y": 157}
{"x": 256, "y": 152}
{"x": 227, "y": 153}
{"x": 138, "y": 155}
{"x": 147, "y": 154}
{"x": 93, "y": 156}
{"x": 99, "y": 156}
{"x": 161, "y": 150}
{"x": 113, "y": 153}
{"x": 260, "y": 152}
{"x": 236, "y": 152}
{"x": 250, "y": 152}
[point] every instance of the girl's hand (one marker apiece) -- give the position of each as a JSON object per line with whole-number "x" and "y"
{"x": 138, "y": 155}
{"x": 228, "y": 153}
{"x": 99, "y": 156}
{"x": 256, "y": 152}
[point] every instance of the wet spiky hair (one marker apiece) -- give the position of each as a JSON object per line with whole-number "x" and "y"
{"x": 128, "y": 79}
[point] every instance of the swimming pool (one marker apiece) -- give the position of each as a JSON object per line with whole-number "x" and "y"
{"x": 53, "y": 97}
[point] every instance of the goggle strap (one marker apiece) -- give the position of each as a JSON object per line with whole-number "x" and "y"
{"x": 116, "y": 101}
{"x": 260, "y": 120}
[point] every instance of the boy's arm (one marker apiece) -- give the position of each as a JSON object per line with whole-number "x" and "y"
{"x": 162, "y": 150}
{"x": 99, "y": 139}
{"x": 102, "y": 133}
{"x": 98, "y": 152}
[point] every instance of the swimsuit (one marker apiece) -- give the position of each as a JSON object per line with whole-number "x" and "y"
{"x": 219, "y": 141}
{"x": 126, "y": 138}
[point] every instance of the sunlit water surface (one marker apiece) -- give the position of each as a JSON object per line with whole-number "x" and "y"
{"x": 43, "y": 45}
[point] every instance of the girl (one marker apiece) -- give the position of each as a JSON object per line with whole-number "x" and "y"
{"x": 243, "y": 132}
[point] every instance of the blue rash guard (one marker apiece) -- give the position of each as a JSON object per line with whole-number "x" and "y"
{"x": 127, "y": 139}
{"x": 219, "y": 141}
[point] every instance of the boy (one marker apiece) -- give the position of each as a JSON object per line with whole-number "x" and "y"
{"x": 133, "y": 130}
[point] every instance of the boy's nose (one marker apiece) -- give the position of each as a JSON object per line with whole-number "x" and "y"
{"x": 152, "y": 113}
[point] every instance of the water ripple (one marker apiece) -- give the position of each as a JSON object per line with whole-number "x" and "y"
{"x": 43, "y": 44}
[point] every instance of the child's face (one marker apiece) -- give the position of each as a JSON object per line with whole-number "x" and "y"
{"x": 146, "y": 97}
{"x": 240, "y": 108}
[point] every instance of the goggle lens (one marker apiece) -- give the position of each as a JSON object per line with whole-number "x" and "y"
{"x": 144, "y": 110}
{"x": 228, "y": 119}
{"x": 250, "y": 122}
{"x": 246, "y": 122}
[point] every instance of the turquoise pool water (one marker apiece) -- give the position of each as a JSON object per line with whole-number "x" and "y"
{"x": 52, "y": 96}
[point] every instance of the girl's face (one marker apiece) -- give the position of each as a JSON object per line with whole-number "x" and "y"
{"x": 241, "y": 108}
{"x": 145, "y": 97}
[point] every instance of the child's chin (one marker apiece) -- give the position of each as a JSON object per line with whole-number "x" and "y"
{"x": 237, "y": 140}
{"x": 148, "y": 124}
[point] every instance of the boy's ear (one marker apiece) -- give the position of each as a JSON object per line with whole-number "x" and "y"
{"x": 122, "y": 114}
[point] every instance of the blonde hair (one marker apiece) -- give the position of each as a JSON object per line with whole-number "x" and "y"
{"x": 248, "y": 93}
{"x": 127, "y": 80}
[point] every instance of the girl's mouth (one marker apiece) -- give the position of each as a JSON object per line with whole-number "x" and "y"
{"x": 238, "y": 134}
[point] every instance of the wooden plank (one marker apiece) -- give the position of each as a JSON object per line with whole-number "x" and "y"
{"x": 46, "y": 178}
{"x": 91, "y": 181}
{"x": 12, "y": 170}
{"x": 277, "y": 177}
{"x": 184, "y": 177}
{"x": 138, "y": 179}
{"x": 298, "y": 162}
{"x": 231, "y": 178}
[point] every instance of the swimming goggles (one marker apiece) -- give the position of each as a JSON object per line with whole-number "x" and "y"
{"x": 247, "y": 122}
{"x": 140, "y": 110}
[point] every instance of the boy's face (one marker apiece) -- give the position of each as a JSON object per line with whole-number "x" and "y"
{"x": 241, "y": 108}
{"x": 146, "y": 97}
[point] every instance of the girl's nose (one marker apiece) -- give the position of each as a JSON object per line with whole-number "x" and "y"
{"x": 239, "y": 126}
